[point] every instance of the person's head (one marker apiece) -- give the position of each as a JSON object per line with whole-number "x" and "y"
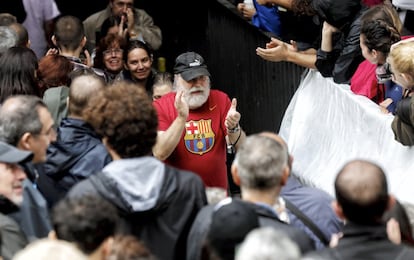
{"x": 25, "y": 122}
{"x": 18, "y": 67}
{"x": 88, "y": 221}
{"x": 163, "y": 84}
{"x": 192, "y": 77}
{"x": 138, "y": 60}
{"x": 123, "y": 114}
{"x": 401, "y": 60}
{"x": 383, "y": 12}
{"x": 376, "y": 39}
{"x": 11, "y": 174}
{"x": 224, "y": 235}
{"x": 8, "y": 38}
{"x": 81, "y": 89}
{"x": 6, "y": 19}
{"x": 120, "y": 7}
{"x": 338, "y": 13}
{"x": 127, "y": 247}
{"x": 22, "y": 35}
{"x": 361, "y": 193}
{"x": 69, "y": 34}
{"x": 268, "y": 243}
{"x": 53, "y": 72}
{"x": 50, "y": 249}
{"x": 261, "y": 163}
{"x": 399, "y": 214}
{"x": 109, "y": 53}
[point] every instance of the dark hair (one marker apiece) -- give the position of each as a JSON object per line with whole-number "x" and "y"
{"x": 87, "y": 221}
{"x": 109, "y": 41}
{"x": 365, "y": 200}
{"x": 22, "y": 34}
{"x": 379, "y": 35}
{"x": 123, "y": 113}
{"x": 20, "y": 119}
{"x": 137, "y": 44}
{"x": 69, "y": 32}
{"x": 403, "y": 110}
{"x": 303, "y": 7}
{"x": 399, "y": 213}
{"x": 17, "y": 72}
{"x": 53, "y": 72}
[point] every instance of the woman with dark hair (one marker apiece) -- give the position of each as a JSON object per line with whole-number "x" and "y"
{"x": 18, "y": 67}
{"x": 138, "y": 59}
{"x": 109, "y": 55}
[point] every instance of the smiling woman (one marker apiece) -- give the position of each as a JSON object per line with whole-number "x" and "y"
{"x": 138, "y": 59}
{"x": 109, "y": 55}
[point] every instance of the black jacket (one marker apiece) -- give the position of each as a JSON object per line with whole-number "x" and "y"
{"x": 364, "y": 242}
{"x": 157, "y": 203}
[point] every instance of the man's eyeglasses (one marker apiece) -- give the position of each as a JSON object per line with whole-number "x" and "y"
{"x": 116, "y": 52}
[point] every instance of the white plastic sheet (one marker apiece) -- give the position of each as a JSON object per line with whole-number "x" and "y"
{"x": 326, "y": 125}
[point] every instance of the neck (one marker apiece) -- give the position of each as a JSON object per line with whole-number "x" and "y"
{"x": 70, "y": 53}
{"x": 268, "y": 196}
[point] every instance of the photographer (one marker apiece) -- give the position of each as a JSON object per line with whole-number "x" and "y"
{"x": 136, "y": 24}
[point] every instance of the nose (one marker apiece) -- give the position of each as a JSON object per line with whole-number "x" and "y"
{"x": 19, "y": 173}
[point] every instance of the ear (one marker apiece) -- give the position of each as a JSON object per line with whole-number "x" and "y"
{"x": 28, "y": 43}
{"x": 285, "y": 176}
{"x": 338, "y": 209}
{"x": 25, "y": 141}
{"x": 407, "y": 77}
{"x": 107, "y": 247}
{"x": 391, "y": 202}
{"x": 235, "y": 174}
{"x": 54, "y": 40}
{"x": 83, "y": 42}
{"x": 67, "y": 102}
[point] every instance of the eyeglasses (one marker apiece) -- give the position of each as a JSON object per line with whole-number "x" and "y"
{"x": 111, "y": 52}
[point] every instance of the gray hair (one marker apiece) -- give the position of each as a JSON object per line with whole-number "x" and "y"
{"x": 19, "y": 115}
{"x": 260, "y": 161}
{"x": 268, "y": 243}
{"x": 8, "y": 38}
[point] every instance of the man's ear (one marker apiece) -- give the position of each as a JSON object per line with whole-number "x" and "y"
{"x": 285, "y": 176}
{"x": 25, "y": 141}
{"x": 338, "y": 209}
{"x": 391, "y": 202}
{"x": 83, "y": 42}
{"x": 107, "y": 245}
{"x": 235, "y": 174}
{"x": 54, "y": 40}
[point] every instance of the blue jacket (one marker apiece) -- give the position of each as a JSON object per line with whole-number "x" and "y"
{"x": 77, "y": 153}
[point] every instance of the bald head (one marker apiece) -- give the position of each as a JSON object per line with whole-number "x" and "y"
{"x": 82, "y": 88}
{"x": 362, "y": 192}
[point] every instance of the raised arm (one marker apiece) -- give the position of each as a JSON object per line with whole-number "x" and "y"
{"x": 168, "y": 140}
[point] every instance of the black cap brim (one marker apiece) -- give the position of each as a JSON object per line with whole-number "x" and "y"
{"x": 194, "y": 73}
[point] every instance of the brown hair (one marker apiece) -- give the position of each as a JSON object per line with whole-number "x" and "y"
{"x": 53, "y": 72}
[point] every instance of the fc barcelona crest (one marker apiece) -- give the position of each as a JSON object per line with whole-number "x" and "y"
{"x": 199, "y": 136}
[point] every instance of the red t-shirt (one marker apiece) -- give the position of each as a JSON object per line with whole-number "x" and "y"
{"x": 202, "y": 147}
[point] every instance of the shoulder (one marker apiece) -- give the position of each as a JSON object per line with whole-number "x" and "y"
{"x": 82, "y": 188}
{"x": 94, "y": 17}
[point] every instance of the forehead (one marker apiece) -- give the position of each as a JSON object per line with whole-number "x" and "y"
{"x": 45, "y": 117}
{"x": 137, "y": 53}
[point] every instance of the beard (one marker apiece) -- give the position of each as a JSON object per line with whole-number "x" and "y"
{"x": 197, "y": 96}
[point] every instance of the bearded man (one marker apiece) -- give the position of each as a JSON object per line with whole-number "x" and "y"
{"x": 197, "y": 123}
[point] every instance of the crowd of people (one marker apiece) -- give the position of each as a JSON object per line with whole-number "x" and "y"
{"x": 104, "y": 157}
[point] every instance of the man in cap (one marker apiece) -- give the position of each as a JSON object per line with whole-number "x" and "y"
{"x": 195, "y": 123}
{"x": 11, "y": 197}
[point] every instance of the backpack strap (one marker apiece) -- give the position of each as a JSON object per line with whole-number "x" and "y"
{"x": 307, "y": 221}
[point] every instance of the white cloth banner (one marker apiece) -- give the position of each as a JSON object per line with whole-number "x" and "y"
{"x": 326, "y": 125}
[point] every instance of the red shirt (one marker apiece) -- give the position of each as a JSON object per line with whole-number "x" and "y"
{"x": 202, "y": 146}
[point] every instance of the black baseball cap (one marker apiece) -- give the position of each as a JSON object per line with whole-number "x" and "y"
{"x": 10, "y": 154}
{"x": 190, "y": 65}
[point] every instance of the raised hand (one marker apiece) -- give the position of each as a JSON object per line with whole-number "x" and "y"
{"x": 233, "y": 116}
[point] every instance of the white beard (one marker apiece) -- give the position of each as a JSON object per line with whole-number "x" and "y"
{"x": 197, "y": 100}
